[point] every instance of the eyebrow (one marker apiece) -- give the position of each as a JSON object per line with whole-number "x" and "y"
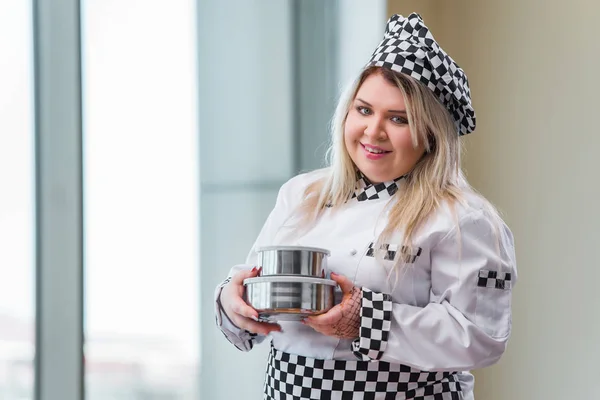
{"x": 392, "y": 111}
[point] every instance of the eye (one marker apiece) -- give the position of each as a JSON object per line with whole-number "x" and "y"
{"x": 363, "y": 110}
{"x": 399, "y": 120}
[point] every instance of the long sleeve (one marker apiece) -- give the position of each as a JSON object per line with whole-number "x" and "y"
{"x": 467, "y": 323}
{"x": 241, "y": 338}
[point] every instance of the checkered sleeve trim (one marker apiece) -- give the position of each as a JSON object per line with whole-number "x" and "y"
{"x": 244, "y": 340}
{"x": 375, "y": 324}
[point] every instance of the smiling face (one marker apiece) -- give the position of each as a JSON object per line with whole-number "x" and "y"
{"x": 376, "y": 132}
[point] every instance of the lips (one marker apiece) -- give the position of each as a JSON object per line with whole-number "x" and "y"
{"x": 374, "y": 149}
{"x": 374, "y": 153}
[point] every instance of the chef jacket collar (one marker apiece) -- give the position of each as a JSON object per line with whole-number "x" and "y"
{"x": 366, "y": 190}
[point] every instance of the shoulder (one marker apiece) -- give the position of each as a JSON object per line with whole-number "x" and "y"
{"x": 293, "y": 190}
{"x": 473, "y": 229}
{"x": 473, "y": 214}
{"x": 300, "y": 182}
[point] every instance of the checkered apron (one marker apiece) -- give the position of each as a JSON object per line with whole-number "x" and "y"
{"x": 293, "y": 377}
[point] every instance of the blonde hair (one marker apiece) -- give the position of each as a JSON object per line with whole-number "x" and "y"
{"x": 436, "y": 178}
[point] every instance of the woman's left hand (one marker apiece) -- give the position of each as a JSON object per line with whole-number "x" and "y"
{"x": 343, "y": 320}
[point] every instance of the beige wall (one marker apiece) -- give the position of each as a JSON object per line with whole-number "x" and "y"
{"x": 534, "y": 70}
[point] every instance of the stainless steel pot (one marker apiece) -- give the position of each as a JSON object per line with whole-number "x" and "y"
{"x": 293, "y": 260}
{"x": 289, "y": 298}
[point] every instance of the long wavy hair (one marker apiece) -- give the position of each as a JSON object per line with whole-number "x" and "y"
{"x": 437, "y": 178}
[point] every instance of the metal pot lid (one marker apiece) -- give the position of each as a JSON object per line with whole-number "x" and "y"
{"x": 316, "y": 249}
{"x": 289, "y": 279}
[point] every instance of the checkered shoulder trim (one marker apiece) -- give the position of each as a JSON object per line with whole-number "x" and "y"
{"x": 245, "y": 340}
{"x": 375, "y": 324}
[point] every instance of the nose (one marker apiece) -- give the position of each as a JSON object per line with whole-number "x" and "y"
{"x": 375, "y": 129}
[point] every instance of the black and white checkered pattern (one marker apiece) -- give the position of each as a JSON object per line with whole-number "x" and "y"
{"x": 409, "y": 47}
{"x": 294, "y": 377}
{"x": 365, "y": 190}
{"x": 494, "y": 279}
{"x": 375, "y": 325}
{"x": 409, "y": 255}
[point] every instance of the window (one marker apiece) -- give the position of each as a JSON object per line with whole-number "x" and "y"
{"x": 17, "y": 210}
{"x": 140, "y": 200}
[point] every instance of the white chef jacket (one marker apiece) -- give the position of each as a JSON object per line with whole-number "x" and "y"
{"x": 447, "y": 310}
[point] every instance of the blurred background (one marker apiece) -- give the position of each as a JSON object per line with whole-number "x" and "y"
{"x": 142, "y": 145}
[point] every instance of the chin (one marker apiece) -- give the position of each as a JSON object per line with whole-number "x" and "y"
{"x": 377, "y": 177}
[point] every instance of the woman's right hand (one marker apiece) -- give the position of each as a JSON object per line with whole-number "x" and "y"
{"x": 240, "y": 313}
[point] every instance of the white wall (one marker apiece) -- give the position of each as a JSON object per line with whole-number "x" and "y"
{"x": 533, "y": 68}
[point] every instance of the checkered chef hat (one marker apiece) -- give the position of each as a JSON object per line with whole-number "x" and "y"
{"x": 408, "y": 47}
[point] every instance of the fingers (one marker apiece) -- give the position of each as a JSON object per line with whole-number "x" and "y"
{"x": 238, "y": 278}
{"x": 231, "y": 296}
{"x": 246, "y": 317}
{"x": 240, "y": 307}
{"x": 331, "y": 317}
{"x": 345, "y": 284}
{"x": 242, "y": 315}
{"x": 323, "y": 323}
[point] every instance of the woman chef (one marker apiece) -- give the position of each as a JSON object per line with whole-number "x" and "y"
{"x": 426, "y": 265}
